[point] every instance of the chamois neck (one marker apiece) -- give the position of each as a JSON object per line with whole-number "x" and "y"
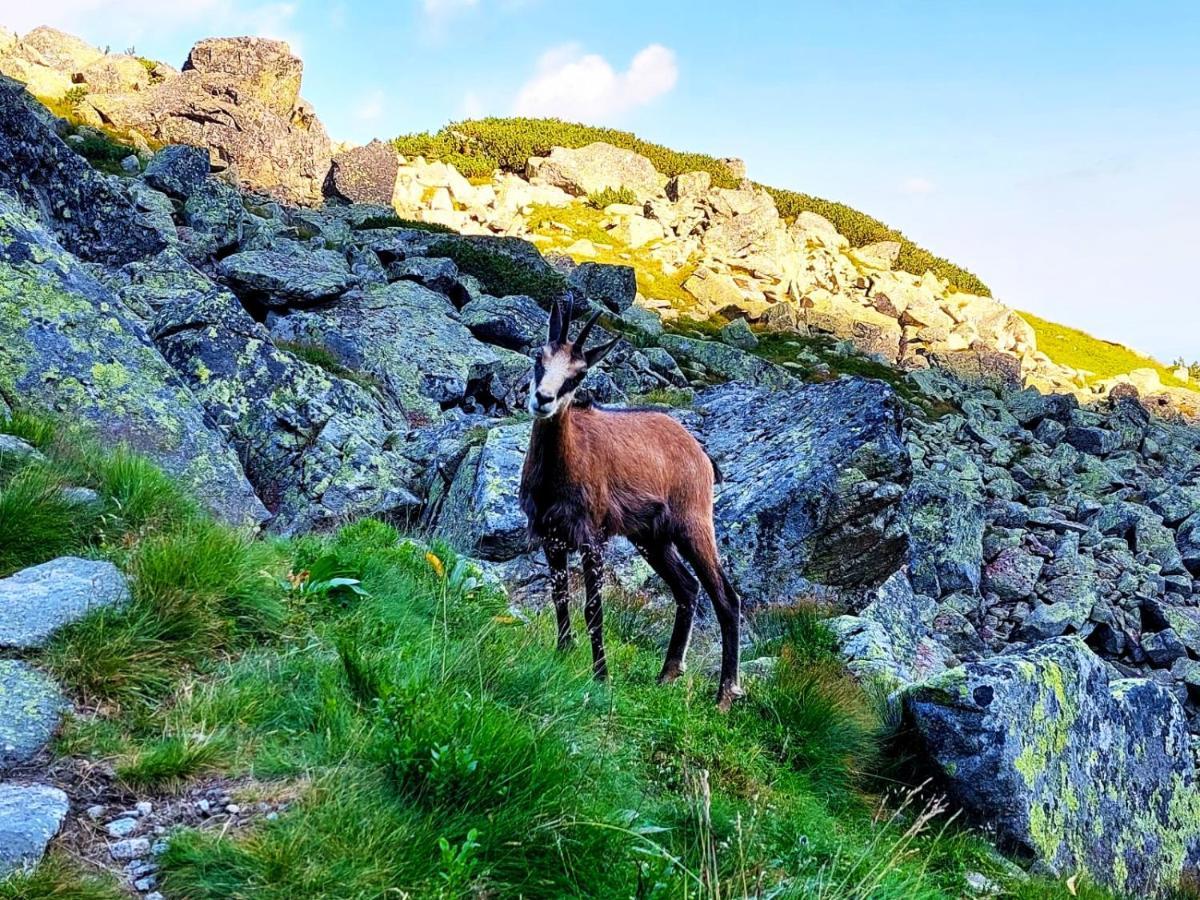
{"x": 552, "y": 436}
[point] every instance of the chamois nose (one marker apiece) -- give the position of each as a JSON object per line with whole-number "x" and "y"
{"x": 543, "y": 399}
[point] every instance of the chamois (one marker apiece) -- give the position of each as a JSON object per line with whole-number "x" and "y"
{"x": 593, "y": 473}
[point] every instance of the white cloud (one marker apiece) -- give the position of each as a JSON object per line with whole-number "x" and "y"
{"x": 371, "y": 107}
{"x": 917, "y": 185}
{"x": 577, "y": 85}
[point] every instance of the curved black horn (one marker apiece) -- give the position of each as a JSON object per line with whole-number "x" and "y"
{"x": 556, "y": 322}
{"x": 581, "y": 340}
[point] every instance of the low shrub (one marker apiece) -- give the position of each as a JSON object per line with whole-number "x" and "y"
{"x": 500, "y": 274}
{"x": 74, "y": 96}
{"x": 375, "y": 222}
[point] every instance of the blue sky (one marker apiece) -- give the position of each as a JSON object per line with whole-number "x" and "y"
{"x": 1053, "y": 148}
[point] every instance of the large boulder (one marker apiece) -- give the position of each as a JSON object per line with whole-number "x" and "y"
{"x": 594, "y": 168}
{"x": 30, "y": 816}
{"x": 945, "y": 522}
{"x": 239, "y": 97}
{"x": 177, "y": 170}
{"x": 598, "y": 283}
{"x": 275, "y": 278}
{"x": 67, "y": 344}
{"x": 317, "y": 447}
{"x": 36, "y": 602}
{"x": 409, "y": 340}
{"x": 365, "y": 174}
{"x": 87, "y": 211}
{"x": 1086, "y": 773}
{"x": 813, "y": 475}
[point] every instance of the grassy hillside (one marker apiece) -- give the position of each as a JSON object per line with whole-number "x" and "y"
{"x": 432, "y": 743}
{"x": 477, "y": 147}
{"x": 1104, "y": 359}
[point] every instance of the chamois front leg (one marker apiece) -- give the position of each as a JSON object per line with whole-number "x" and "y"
{"x": 556, "y": 559}
{"x": 593, "y": 611}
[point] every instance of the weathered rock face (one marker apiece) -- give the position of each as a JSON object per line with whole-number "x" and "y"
{"x": 813, "y": 478}
{"x": 315, "y": 446}
{"x": 87, "y": 211}
{"x": 36, "y": 602}
{"x": 177, "y": 170}
{"x": 1083, "y": 772}
{"x": 67, "y": 344}
{"x": 276, "y": 278}
{"x": 236, "y": 97}
{"x": 365, "y": 174}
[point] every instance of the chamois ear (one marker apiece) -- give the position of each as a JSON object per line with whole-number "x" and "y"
{"x": 596, "y": 354}
{"x": 556, "y": 322}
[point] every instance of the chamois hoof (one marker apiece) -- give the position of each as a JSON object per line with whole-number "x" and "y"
{"x": 669, "y": 673}
{"x": 726, "y": 696}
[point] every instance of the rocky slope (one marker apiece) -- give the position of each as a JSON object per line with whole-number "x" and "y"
{"x": 1019, "y": 569}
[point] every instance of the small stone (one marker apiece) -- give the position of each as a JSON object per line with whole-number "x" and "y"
{"x": 131, "y": 164}
{"x": 155, "y": 896}
{"x": 978, "y": 883}
{"x": 95, "y": 812}
{"x": 1163, "y": 648}
{"x": 130, "y": 848}
{"x": 144, "y": 808}
{"x": 233, "y": 809}
{"x": 121, "y": 828}
{"x": 146, "y": 884}
{"x": 158, "y": 848}
{"x": 738, "y": 334}
{"x": 204, "y": 806}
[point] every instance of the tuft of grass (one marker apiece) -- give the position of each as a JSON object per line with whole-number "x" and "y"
{"x": 59, "y": 878}
{"x": 676, "y": 398}
{"x": 1101, "y": 359}
{"x": 169, "y": 762}
{"x": 500, "y": 274}
{"x": 609, "y": 196}
{"x": 37, "y": 520}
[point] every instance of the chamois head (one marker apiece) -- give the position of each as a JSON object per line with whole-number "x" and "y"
{"x": 560, "y": 365}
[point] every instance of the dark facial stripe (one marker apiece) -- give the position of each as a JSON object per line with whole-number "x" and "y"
{"x": 571, "y": 384}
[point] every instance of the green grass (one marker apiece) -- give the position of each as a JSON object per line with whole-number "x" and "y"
{"x": 499, "y": 273}
{"x": 609, "y": 196}
{"x": 60, "y": 878}
{"x": 479, "y": 146}
{"x": 1102, "y": 359}
{"x": 435, "y": 745}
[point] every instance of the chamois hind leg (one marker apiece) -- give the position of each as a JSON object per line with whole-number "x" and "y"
{"x": 593, "y": 611}
{"x": 556, "y": 559}
{"x": 665, "y": 560}
{"x": 699, "y": 548}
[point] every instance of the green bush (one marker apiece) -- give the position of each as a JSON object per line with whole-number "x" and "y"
{"x": 74, "y": 96}
{"x": 478, "y": 146}
{"x": 374, "y": 222}
{"x": 500, "y": 274}
{"x": 609, "y": 196}
{"x": 38, "y": 521}
{"x": 861, "y": 229}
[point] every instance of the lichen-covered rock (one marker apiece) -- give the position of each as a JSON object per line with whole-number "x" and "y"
{"x": 281, "y": 279}
{"x": 1013, "y": 574}
{"x": 813, "y": 477}
{"x": 68, "y": 344}
{"x": 1085, "y": 773}
{"x": 601, "y": 284}
{"x": 480, "y": 514}
{"x": 725, "y": 362}
{"x": 30, "y": 816}
{"x": 177, "y": 170}
{"x": 31, "y": 708}
{"x": 893, "y": 640}
{"x": 365, "y": 174}
{"x": 945, "y": 526}
{"x": 318, "y": 448}
{"x": 516, "y": 322}
{"x": 87, "y": 211}
{"x": 215, "y": 214}
{"x": 407, "y": 338}
{"x": 36, "y": 602}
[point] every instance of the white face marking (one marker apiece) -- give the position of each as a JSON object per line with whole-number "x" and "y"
{"x": 546, "y": 395}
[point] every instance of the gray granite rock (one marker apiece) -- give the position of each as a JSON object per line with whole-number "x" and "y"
{"x": 31, "y": 708}
{"x": 36, "y": 602}
{"x": 30, "y": 817}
